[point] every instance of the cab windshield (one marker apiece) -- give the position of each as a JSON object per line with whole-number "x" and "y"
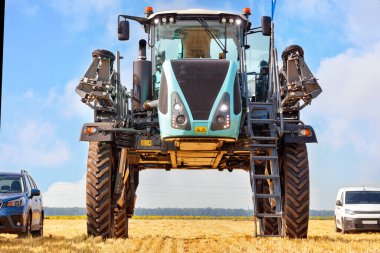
{"x": 11, "y": 184}
{"x": 196, "y": 39}
{"x": 363, "y": 197}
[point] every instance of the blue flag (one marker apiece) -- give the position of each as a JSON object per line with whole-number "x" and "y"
{"x": 273, "y": 7}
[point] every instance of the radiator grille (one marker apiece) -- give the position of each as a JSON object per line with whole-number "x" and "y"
{"x": 200, "y": 82}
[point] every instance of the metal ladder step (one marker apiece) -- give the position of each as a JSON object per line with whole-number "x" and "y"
{"x": 263, "y": 121}
{"x": 266, "y": 176}
{"x": 264, "y": 158}
{"x": 259, "y": 235}
{"x": 267, "y": 196}
{"x": 260, "y": 145}
{"x": 263, "y": 138}
{"x": 269, "y": 215}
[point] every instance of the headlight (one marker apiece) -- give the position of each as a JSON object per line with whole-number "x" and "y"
{"x": 180, "y": 117}
{"x": 177, "y": 107}
{"x": 348, "y": 211}
{"x": 221, "y": 118}
{"x": 16, "y": 202}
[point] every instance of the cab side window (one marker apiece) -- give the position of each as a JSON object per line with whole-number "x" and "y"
{"x": 28, "y": 185}
{"x": 34, "y": 183}
{"x": 31, "y": 183}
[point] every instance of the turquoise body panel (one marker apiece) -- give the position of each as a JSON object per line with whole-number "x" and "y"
{"x": 167, "y": 131}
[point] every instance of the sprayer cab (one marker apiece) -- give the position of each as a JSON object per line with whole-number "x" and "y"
{"x": 194, "y": 75}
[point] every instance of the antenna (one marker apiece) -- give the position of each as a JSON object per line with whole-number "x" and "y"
{"x": 363, "y": 188}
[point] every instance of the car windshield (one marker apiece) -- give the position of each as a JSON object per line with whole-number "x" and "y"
{"x": 363, "y": 197}
{"x": 11, "y": 184}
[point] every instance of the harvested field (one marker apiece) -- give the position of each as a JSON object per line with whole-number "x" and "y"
{"x": 174, "y": 235}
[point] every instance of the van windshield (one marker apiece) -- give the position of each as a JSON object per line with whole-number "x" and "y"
{"x": 363, "y": 197}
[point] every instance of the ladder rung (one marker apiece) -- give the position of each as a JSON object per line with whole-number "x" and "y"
{"x": 260, "y": 105}
{"x": 266, "y": 176}
{"x": 269, "y": 215}
{"x": 262, "y": 121}
{"x": 263, "y": 145}
{"x": 264, "y": 158}
{"x": 264, "y": 138}
{"x": 258, "y": 235}
{"x": 267, "y": 196}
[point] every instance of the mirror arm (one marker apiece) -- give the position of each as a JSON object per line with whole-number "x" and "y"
{"x": 142, "y": 21}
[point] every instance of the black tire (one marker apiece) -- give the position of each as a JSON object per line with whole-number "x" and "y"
{"x": 270, "y": 224}
{"x": 131, "y": 190}
{"x": 289, "y": 50}
{"x": 121, "y": 223}
{"x": 336, "y": 227}
{"x": 98, "y": 190}
{"x": 296, "y": 190}
{"x": 40, "y": 232}
{"x": 28, "y": 227}
{"x": 121, "y": 218}
{"x": 343, "y": 230}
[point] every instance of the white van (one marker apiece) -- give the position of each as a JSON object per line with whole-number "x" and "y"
{"x": 357, "y": 208}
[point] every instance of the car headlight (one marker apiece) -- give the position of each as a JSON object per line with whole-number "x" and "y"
{"x": 221, "y": 118}
{"x": 348, "y": 211}
{"x": 16, "y": 202}
{"x": 180, "y": 117}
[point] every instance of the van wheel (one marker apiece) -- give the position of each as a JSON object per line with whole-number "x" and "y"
{"x": 336, "y": 227}
{"x": 343, "y": 230}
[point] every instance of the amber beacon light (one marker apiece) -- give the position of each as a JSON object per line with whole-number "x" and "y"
{"x": 148, "y": 10}
{"x": 247, "y": 11}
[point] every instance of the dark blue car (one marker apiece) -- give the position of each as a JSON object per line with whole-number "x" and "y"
{"x": 21, "y": 209}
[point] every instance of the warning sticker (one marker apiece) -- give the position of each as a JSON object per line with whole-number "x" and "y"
{"x": 200, "y": 130}
{"x": 146, "y": 143}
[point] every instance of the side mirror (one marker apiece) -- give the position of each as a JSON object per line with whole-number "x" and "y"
{"x": 35, "y": 192}
{"x": 339, "y": 203}
{"x": 123, "y": 30}
{"x": 266, "y": 25}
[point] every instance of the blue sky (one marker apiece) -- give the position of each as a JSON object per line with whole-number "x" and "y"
{"x": 47, "y": 48}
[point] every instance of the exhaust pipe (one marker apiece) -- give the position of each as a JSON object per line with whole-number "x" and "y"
{"x": 142, "y": 79}
{"x": 142, "y": 50}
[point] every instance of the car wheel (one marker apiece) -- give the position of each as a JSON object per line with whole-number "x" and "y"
{"x": 40, "y": 232}
{"x": 28, "y": 228}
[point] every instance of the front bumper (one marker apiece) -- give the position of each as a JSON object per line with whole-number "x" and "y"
{"x": 12, "y": 221}
{"x": 362, "y": 224}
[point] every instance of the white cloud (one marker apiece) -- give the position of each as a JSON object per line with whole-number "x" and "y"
{"x": 66, "y": 194}
{"x": 348, "y": 120}
{"x": 33, "y": 142}
{"x": 70, "y": 103}
{"x": 362, "y": 19}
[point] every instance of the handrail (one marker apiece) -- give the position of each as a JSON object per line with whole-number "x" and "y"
{"x": 275, "y": 84}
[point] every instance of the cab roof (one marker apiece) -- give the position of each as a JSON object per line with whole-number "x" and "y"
{"x": 196, "y": 12}
{"x": 361, "y": 188}
{"x": 10, "y": 174}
